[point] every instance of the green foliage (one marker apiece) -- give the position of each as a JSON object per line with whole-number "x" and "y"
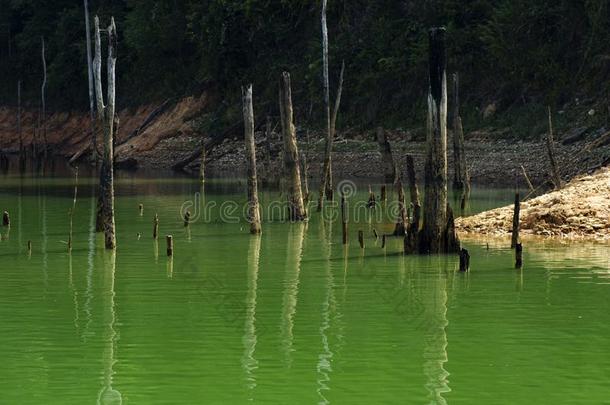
{"x": 511, "y": 52}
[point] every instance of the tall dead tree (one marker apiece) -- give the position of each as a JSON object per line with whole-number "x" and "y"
{"x": 202, "y": 165}
{"x": 550, "y": 146}
{"x": 437, "y": 235}
{"x": 461, "y": 181}
{"x": 326, "y": 170}
{"x": 43, "y": 89}
{"x": 254, "y": 214}
{"x": 90, "y": 82}
{"x": 389, "y": 168}
{"x": 105, "y": 116}
{"x": 292, "y": 171}
{"x": 21, "y": 148}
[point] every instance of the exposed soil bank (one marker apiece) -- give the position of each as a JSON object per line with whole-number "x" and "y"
{"x": 580, "y": 210}
{"x": 494, "y": 158}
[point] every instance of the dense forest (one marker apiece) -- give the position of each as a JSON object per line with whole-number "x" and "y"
{"x": 509, "y": 52}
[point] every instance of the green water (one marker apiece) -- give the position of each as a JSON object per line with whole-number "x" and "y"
{"x": 290, "y": 317}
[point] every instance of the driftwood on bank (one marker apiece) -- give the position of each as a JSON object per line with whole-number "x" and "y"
{"x": 150, "y": 118}
{"x": 254, "y": 215}
{"x": 437, "y": 234}
{"x": 105, "y": 116}
{"x": 389, "y": 167}
{"x": 292, "y": 170}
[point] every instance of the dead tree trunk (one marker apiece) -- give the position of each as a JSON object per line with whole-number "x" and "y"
{"x": 105, "y": 115}
{"x": 550, "y": 146}
{"x": 254, "y": 214}
{"x": 328, "y": 189}
{"x": 296, "y": 208}
{"x": 202, "y": 165}
{"x": 22, "y": 159}
{"x": 389, "y": 168}
{"x": 413, "y": 229}
{"x": 268, "y": 147}
{"x": 515, "y": 234}
{"x": 461, "y": 181}
{"x": 402, "y": 220}
{"x": 326, "y": 169}
{"x": 90, "y": 82}
{"x": 434, "y": 237}
{"x": 43, "y": 113}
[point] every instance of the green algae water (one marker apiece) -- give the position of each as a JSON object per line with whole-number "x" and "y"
{"x": 291, "y": 317}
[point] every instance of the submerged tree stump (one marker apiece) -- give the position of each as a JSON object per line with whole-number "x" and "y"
{"x": 464, "y": 260}
{"x": 156, "y": 226}
{"x": 254, "y": 214}
{"x": 296, "y": 207}
{"x": 518, "y": 256}
{"x": 170, "y": 245}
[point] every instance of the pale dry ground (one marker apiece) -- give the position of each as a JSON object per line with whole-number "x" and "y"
{"x": 580, "y": 210}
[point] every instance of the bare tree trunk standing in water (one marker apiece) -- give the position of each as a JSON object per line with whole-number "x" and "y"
{"x": 296, "y": 208}
{"x": 43, "y": 118}
{"x": 389, "y": 168}
{"x": 437, "y": 235}
{"x": 413, "y": 229}
{"x": 461, "y": 181}
{"x": 254, "y": 214}
{"x": 202, "y": 165}
{"x": 90, "y": 80}
{"x": 326, "y": 174}
{"x": 21, "y": 149}
{"x": 105, "y": 115}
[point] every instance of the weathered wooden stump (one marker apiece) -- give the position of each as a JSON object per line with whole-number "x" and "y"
{"x": 170, "y": 245}
{"x": 518, "y": 256}
{"x": 156, "y": 226}
{"x": 464, "y": 260}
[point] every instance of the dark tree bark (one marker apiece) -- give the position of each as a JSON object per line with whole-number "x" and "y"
{"x": 461, "y": 181}
{"x": 436, "y": 235}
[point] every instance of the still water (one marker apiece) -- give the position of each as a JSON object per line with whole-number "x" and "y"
{"x": 291, "y": 317}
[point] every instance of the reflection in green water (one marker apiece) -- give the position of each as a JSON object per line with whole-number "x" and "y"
{"x": 292, "y": 316}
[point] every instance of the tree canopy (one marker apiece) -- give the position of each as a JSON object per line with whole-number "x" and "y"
{"x": 507, "y": 51}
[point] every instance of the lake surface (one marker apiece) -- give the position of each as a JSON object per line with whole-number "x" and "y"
{"x": 291, "y": 317}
